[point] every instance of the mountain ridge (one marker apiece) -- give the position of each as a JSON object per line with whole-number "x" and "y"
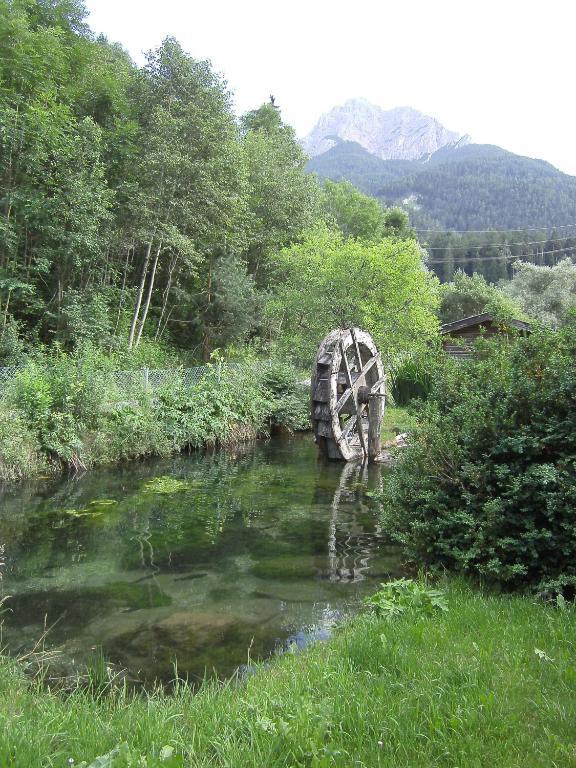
{"x": 401, "y": 133}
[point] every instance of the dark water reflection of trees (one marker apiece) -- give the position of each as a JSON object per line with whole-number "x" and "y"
{"x": 190, "y": 559}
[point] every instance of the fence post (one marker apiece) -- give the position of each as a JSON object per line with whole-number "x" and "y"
{"x": 146, "y": 372}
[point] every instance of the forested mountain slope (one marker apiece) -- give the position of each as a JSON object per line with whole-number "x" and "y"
{"x": 348, "y": 161}
{"x": 473, "y": 186}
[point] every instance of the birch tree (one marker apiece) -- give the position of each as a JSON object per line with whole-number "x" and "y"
{"x": 190, "y": 187}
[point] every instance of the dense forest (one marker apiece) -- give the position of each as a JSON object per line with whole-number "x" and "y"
{"x": 137, "y": 211}
{"x": 474, "y": 186}
{"x": 132, "y": 204}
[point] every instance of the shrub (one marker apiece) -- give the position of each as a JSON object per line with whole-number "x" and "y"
{"x": 66, "y": 410}
{"x": 488, "y": 483}
{"x": 397, "y": 597}
{"x": 289, "y": 399}
{"x": 61, "y": 398}
{"x": 413, "y": 377}
{"x": 19, "y": 456}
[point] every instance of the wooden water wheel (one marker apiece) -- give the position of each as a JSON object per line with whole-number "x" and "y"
{"x": 347, "y": 395}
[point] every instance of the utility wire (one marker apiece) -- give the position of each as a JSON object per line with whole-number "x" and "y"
{"x": 485, "y": 231}
{"x": 502, "y": 256}
{"x": 495, "y": 245}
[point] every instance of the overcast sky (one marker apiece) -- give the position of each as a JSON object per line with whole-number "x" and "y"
{"x": 502, "y": 71}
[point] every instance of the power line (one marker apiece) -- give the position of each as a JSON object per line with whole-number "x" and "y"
{"x": 503, "y": 256}
{"x": 485, "y": 231}
{"x": 496, "y": 245}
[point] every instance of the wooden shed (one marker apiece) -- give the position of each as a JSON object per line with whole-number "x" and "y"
{"x": 460, "y": 335}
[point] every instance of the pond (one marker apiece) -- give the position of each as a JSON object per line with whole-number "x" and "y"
{"x": 200, "y": 563}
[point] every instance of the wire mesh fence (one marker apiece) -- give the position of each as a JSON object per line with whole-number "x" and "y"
{"x": 150, "y": 379}
{"x": 141, "y": 378}
{"x": 156, "y": 378}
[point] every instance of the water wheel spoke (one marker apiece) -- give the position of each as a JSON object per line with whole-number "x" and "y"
{"x": 353, "y": 387}
{"x": 351, "y": 424}
{"x": 376, "y": 386}
{"x": 356, "y": 349}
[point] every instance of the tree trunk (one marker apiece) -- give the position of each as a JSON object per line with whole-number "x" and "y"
{"x": 149, "y": 295}
{"x": 122, "y": 291}
{"x": 5, "y": 320}
{"x": 138, "y": 304}
{"x": 206, "y": 332}
{"x": 165, "y": 295}
{"x": 166, "y": 321}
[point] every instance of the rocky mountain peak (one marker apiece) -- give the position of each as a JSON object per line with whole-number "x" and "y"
{"x": 401, "y": 133}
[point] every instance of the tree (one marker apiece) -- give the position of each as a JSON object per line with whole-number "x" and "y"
{"x": 190, "y": 189}
{"x": 283, "y": 199}
{"x": 327, "y": 282}
{"x": 467, "y": 296}
{"x": 225, "y": 307}
{"x": 546, "y": 293}
{"x": 355, "y": 214}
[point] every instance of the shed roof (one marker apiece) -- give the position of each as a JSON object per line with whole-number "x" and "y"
{"x": 485, "y": 317}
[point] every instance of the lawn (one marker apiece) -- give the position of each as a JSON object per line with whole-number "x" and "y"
{"x": 490, "y": 682}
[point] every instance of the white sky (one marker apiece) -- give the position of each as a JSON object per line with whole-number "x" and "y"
{"x": 502, "y": 71}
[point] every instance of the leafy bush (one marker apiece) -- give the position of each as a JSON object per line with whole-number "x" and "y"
{"x": 18, "y": 450}
{"x": 466, "y": 296}
{"x": 413, "y": 378}
{"x": 67, "y": 410}
{"x": 547, "y": 293}
{"x": 488, "y": 484}
{"x": 289, "y": 399}
{"x": 396, "y": 597}
{"x": 60, "y": 396}
{"x": 326, "y": 282}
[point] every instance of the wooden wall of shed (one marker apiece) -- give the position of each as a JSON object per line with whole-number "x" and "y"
{"x": 466, "y": 337}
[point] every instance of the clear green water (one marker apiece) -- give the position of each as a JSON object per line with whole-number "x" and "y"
{"x": 206, "y": 561}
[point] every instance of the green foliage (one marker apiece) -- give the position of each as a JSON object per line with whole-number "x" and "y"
{"x": 358, "y": 215}
{"x": 19, "y": 456}
{"x": 413, "y": 377}
{"x": 326, "y": 282}
{"x": 466, "y": 296}
{"x": 462, "y": 683}
{"x": 60, "y": 399}
{"x": 68, "y": 410}
{"x": 132, "y": 205}
{"x": 283, "y": 200}
{"x": 547, "y": 293}
{"x": 289, "y": 398}
{"x": 12, "y": 348}
{"x": 395, "y": 598}
{"x": 355, "y": 214}
{"x": 486, "y": 485}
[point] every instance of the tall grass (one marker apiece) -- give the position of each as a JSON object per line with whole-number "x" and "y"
{"x": 490, "y": 682}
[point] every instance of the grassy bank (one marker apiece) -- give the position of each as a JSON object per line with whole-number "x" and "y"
{"x": 490, "y": 682}
{"x": 396, "y": 421}
{"x": 71, "y": 412}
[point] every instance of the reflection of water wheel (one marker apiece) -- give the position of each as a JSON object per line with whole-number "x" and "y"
{"x": 348, "y": 374}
